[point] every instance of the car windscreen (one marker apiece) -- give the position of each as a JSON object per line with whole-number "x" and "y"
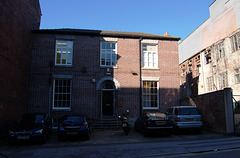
{"x": 74, "y": 119}
{"x": 31, "y": 119}
{"x": 188, "y": 111}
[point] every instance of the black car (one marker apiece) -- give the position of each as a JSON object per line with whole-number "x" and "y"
{"x": 75, "y": 126}
{"x": 30, "y": 127}
{"x": 154, "y": 123}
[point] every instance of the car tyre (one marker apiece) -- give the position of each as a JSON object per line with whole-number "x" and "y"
{"x": 198, "y": 131}
{"x": 87, "y": 137}
{"x": 44, "y": 138}
{"x": 144, "y": 133}
{"x": 59, "y": 138}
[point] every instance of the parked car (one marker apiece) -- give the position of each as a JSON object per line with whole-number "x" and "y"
{"x": 30, "y": 127}
{"x": 185, "y": 117}
{"x": 73, "y": 126}
{"x": 154, "y": 122}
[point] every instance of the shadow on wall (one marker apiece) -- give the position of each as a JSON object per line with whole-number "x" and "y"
{"x": 190, "y": 87}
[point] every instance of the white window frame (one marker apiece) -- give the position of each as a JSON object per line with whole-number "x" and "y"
{"x": 65, "y": 52}
{"x": 148, "y": 57}
{"x": 183, "y": 72}
{"x": 235, "y": 40}
{"x": 149, "y": 95}
{"x": 223, "y": 82}
{"x": 220, "y": 50}
{"x": 59, "y": 93}
{"x": 237, "y": 75}
{"x": 111, "y": 52}
{"x": 210, "y": 83}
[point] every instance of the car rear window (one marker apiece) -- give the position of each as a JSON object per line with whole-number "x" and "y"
{"x": 155, "y": 116}
{"x": 74, "y": 118}
{"x": 188, "y": 111}
{"x": 31, "y": 118}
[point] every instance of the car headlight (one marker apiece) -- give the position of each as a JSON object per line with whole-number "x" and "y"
{"x": 11, "y": 133}
{"x": 38, "y": 131}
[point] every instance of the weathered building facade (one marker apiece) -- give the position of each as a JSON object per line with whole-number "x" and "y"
{"x": 215, "y": 48}
{"x": 102, "y": 73}
{"x": 17, "y": 19}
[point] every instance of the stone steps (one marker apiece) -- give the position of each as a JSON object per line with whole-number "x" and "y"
{"x": 109, "y": 123}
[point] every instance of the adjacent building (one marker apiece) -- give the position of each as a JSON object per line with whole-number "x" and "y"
{"x": 102, "y": 73}
{"x": 17, "y": 19}
{"x": 210, "y": 55}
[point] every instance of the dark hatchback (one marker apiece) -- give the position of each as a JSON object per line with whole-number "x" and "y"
{"x": 73, "y": 126}
{"x": 30, "y": 127}
{"x": 154, "y": 123}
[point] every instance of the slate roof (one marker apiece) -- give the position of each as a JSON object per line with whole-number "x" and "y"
{"x": 105, "y": 33}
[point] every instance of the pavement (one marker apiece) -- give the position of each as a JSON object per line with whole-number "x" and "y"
{"x": 101, "y": 137}
{"x": 113, "y": 143}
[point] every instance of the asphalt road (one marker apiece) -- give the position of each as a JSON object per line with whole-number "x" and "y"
{"x": 232, "y": 153}
{"x": 112, "y": 144}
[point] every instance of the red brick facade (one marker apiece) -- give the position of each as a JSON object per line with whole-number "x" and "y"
{"x": 88, "y": 76}
{"x": 17, "y": 19}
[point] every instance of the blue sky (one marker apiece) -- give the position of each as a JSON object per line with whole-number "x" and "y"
{"x": 178, "y": 17}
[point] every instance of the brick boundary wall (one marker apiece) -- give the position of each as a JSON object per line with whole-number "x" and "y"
{"x": 212, "y": 106}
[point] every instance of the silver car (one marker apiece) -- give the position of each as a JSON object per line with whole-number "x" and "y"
{"x": 185, "y": 117}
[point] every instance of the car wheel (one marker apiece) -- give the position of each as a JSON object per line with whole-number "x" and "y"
{"x": 144, "y": 133}
{"x": 136, "y": 129}
{"x": 84, "y": 137}
{"x": 167, "y": 134}
{"x": 87, "y": 137}
{"x": 198, "y": 131}
{"x": 59, "y": 138}
{"x": 44, "y": 138}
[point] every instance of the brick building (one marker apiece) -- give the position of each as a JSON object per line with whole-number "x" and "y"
{"x": 102, "y": 73}
{"x": 17, "y": 19}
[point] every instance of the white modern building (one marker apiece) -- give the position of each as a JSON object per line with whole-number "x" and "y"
{"x": 217, "y": 40}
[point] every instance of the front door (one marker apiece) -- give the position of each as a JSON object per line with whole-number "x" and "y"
{"x": 107, "y": 102}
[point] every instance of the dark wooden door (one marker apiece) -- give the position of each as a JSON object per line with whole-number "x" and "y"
{"x": 107, "y": 102}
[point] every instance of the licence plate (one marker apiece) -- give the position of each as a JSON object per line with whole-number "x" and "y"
{"x": 23, "y": 137}
{"x": 190, "y": 119}
{"x": 160, "y": 123}
{"x": 72, "y": 133}
{"x": 124, "y": 125}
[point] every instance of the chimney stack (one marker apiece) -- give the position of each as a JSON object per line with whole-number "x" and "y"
{"x": 166, "y": 34}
